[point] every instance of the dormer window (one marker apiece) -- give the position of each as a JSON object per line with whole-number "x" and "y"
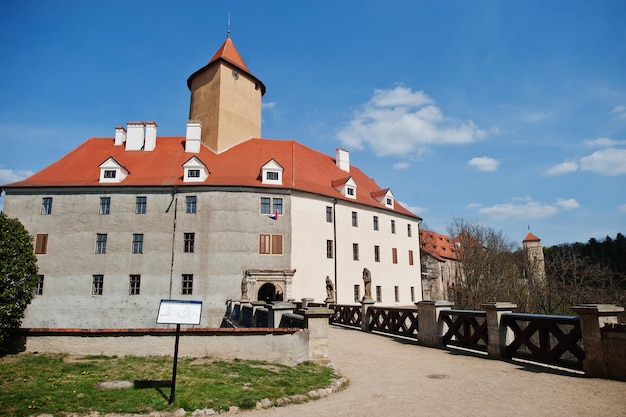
{"x": 346, "y": 186}
{"x": 385, "y": 197}
{"x": 194, "y": 170}
{"x": 272, "y": 173}
{"x": 112, "y": 171}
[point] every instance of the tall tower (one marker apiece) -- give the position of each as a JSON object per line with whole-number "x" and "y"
{"x": 534, "y": 255}
{"x": 226, "y": 99}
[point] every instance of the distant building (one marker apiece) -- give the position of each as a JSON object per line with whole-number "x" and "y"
{"x": 440, "y": 265}
{"x": 534, "y": 256}
{"x": 220, "y": 213}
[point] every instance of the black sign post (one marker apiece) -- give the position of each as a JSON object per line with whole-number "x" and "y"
{"x": 178, "y": 312}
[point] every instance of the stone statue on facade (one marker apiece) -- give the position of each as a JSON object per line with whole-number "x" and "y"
{"x": 367, "y": 282}
{"x": 244, "y": 290}
{"x": 330, "y": 290}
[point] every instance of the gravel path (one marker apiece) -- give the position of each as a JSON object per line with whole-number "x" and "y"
{"x": 392, "y": 377}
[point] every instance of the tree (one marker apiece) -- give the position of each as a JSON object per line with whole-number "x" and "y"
{"x": 490, "y": 265}
{"x": 18, "y": 275}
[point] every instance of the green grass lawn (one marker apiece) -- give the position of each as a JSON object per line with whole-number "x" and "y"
{"x": 32, "y": 384}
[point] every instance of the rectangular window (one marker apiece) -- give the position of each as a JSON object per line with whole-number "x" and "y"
{"x": 376, "y": 253}
{"x": 46, "y": 205}
{"x": 412, "y": 294}
{"x": 190, "y": 204}
{"x": 375, "y": 219}
{"x": 271, "y": 205}
{"x": 187, "y": 287}
{"x": 270, "y": 244}
{"x": 101, "y": 243}
{"x": 357, "y": 293}
{"x": 350, "y": 191}
{"x": 379, "y": 294}
{"x": 408, "y": 230}
{"x": 278, "y": 205}
{"x": 97, "y": 284}
{"x": 396, "y": 292}
{"x": 134, "y": 285}
{"x": 355, "y": 251}
{"x": 410, "y": 257}
{"x": 329, "y": 249}
{"x": 329, "y": 214}
{"x": 394, "y": 255}
{"x": 393, "y": 226}
{"x": 140, "y": 205}
{"x": 105, "y": 205}
{"x": 41, "y": 244}
{"x": 193, "y": 173}
{"x": 355, "y": 219}
{"x": 266, "y": 207}
{"x": 272, "y": 175}
{"x": 39, "y": 287}
{"x": 189, "y": 242}
{"x": 137, "y": 242}
{"x": 109, "y": 173}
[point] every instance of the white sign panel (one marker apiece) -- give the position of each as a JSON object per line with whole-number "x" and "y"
{"x": 179, "y": 312}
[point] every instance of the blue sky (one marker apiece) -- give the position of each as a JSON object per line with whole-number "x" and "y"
{"x": 508, "y": 113}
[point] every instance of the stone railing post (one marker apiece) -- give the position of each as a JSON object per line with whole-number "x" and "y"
{"x": 430, "y": 329}
{"x": 366, "y": 303}
{"x": 592, "y": 318}
{"x": 316, "y": 321}
{"x": 306, "y": 301}
{"x": 276, "y": 312}
{"x": 498, "y": 335}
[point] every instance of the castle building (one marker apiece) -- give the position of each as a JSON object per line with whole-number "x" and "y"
{"x": 122, "y": 222}
{"x": 441, "y": 266}
{"x": 534, "y": 256}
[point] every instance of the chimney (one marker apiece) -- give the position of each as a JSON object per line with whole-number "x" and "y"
{"x": 135, "y": 136}
{"x": 343, "y": 160}
{"x": 151, "y": 134}
{"x": 192, "y": 140}
{"x": 120, "y": 135}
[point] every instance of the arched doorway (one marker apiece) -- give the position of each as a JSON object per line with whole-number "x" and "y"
{"x": 267, "y": 292}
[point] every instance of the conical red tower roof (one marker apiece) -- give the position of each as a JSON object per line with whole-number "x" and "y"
{"x": 531, "y": 238}
{"x": 228, "y": 53}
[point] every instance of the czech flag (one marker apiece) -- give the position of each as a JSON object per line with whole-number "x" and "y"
{"x": 275, "y": 216}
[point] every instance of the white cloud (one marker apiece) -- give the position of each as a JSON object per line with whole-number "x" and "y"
{"x": 400, "y": 121}
{"x": 401, "y": 165}
{"x": 604, "y": 142}
{"x": 620, "y": 111}
{"x": 525, "y": 209}
{"x": 567, "y": 204}
{"x": 537, "y": 116}
{"x": 529, "y": 210}
{"x": 414, "y": 209}
{"x": 10, "y": 175}
{"x": 622, "y": 208}
{"x": 473, "y": 205}
{"x": 484, "y": 163}
{"x": 563, "y": 168}
{"x": 611, "y": 161}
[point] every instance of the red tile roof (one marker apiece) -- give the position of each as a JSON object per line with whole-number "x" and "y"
{"x": 439, "y": 246}
{"x": 531, "y": 238}
{"x": 228, "y": 53}
{"x": 304, "y": 169}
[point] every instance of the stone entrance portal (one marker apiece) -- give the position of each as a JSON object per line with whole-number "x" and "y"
{"x": 269, "y": 285}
